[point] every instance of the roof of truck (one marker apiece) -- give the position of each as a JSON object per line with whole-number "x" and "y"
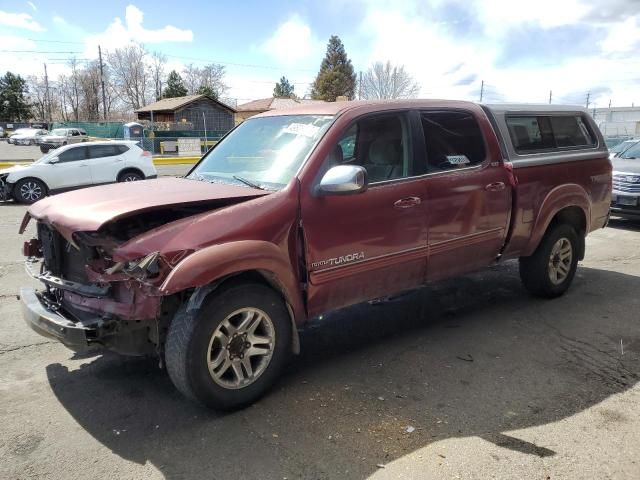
{"x": 533, "y": 107}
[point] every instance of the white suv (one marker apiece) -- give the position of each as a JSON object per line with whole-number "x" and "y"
{"x": 76, "y": 166}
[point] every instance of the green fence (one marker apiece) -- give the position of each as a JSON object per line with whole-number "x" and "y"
{"x": 95, "y": 129}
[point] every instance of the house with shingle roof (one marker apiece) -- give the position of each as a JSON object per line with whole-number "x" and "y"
{"x": 255, "y": 107}
{"x": 193, "y": 109}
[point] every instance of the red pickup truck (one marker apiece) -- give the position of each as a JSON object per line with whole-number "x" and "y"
{"x": 299, "y": 212}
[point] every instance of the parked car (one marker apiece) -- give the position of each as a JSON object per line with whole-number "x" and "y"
{"x": 303, "y": 211}
{"x": 16, "y": 134}
{"x": 625, "y": 200}
{"x": 622, "y": 147}
{"x": 76, "y": 166}
{"x": 2, "y": 132}
{"x": 62, "y": 136}
{"x": 29, "y": 136}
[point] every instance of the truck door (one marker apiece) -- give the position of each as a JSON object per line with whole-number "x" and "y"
{"x": 373, "y": 243}
{"x": 468, "y": 198}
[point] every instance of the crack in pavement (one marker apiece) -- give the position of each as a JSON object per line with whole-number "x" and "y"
{"x": 13, "y": 349}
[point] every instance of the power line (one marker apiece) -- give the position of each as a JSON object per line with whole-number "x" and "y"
{"x": 54, "y": 41}
{"x": 36, "y": 51}
{"x": 249, "y": 65}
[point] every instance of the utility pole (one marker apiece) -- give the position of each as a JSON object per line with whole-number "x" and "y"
{"x": 104, "y": 99}
{"x": 609, "y": 103}
{"x": 481, "y": 90}
{"x": 360, "y": 87}
{"x": 550, "y": 96}
{"x": 588, "y": 98}
{"x": 47, "y": 98}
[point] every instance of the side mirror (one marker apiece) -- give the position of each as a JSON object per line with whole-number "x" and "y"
{"x": 343, "y": 179}
{"x": 54, "y": 159}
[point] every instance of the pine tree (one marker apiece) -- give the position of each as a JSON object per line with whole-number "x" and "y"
{"x": 283, "y": 89}
{"x": 13, "y": 98}
{"x": 336, "y": 76}
{"x": 175, "y": 86}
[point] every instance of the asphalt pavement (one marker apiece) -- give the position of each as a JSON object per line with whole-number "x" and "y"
{"x": 469, "y": 378}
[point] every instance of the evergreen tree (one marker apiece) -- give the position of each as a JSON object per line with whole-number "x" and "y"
{"x": 283, "y": 89}
{"x": 175, "y": 86}
{"x": 207, "y": 90}
{"x": 336, "y": 77}
{"x": 14, "y": 106}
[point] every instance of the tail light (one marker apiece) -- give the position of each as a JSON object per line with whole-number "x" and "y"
{"x": 146, "y": 153}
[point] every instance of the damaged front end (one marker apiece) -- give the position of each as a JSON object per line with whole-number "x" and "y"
{"x": 90, "y": 300}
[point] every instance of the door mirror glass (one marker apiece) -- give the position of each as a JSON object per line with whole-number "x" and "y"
{"x": 54, "y": 160}
{"x": 343, "y": 179}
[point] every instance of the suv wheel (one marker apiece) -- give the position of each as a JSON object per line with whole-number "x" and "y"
{"x": 29, "y": 190}
{"x": 44, "y": 148}
{"x": 130, "y": 177}
{"x": 229, "y": 352}
{"x": 550, "y": 270}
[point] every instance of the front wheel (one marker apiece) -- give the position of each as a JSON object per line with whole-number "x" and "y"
{"x": 29, "y": 190}
{"x": 44, "y": 148}
{"x": 550, "y": 270}
{"x": 130, "y": 177}
{"x": 230, "y": 351}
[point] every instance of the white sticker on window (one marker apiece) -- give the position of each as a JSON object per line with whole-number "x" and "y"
{"x": 458, "y": 159}
{"x": 303, "y": 129}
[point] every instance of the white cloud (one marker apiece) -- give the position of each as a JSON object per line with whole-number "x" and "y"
{"x": 119, "y": 33}
{"x": 623, "y": 38}
{"x": 291, "y": 42}
{"x": 20, "y": 20}
{"x": 33, "y": 6}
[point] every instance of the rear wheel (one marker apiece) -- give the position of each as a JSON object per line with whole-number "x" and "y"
{"x": 228, "y": 353}
{"x": 44, "y": 148}
{"x": 550, "y": 270}
{"x": 130, "y": 177}
{"x": 29, "y": 190}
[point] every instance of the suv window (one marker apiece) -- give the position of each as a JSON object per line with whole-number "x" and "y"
{"x": 380, "y": 144}
{"x": 453, "y": 140}
{"x": 100, "y": 151}
{"x": 122, "y": 148}
{"x": 73, "y": 154}
{"x": 532, "y": 133}
{"x": 75, "y": 133}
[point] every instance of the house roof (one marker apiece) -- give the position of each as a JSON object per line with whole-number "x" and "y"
{"x": 170, "y": 104}
{"x": 274, "y": 103}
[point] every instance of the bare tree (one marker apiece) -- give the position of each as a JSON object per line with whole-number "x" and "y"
{"x": 37, "y": 97}
{"x": 386, "y": 81}
{"x": 208, "y": 80}
{"x": 91, "y": 91}
{"x": 71, "y": 89}
{"x": 157, "y": 66}
{"x": 130, "y": 74}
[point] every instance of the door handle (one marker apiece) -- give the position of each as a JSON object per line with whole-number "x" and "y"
{"x": 495, "y": 187}
{"x": 407, "y": 202}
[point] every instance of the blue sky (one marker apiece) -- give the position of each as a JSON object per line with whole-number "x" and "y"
{"x": 521, "y": 49}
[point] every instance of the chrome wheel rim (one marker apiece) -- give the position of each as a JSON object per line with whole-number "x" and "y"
{"x": 560, "y": 261}
{"x": 130, "y": 178}
{"x": 241, "y": 348}
{"x": 31, "y": 191}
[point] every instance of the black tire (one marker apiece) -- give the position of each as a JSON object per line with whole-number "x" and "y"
{"x": 188, "y": 342}
{"x": 130, "y": 176}
{"x": 44, "y": 148}
{"x": 29, "y": 190}
{"x": 537, "y": 270}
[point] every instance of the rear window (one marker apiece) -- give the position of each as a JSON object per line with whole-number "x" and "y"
{"x": 533, "y": 133}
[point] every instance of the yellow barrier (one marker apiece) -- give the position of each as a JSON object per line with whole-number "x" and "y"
{"x": 156, "y": 161}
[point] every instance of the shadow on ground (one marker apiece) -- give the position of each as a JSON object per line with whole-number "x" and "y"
{"x": 472, "y": 357}
{"x": 631, "y": 224}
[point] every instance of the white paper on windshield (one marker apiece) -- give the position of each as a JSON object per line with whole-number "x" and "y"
{"x": 304, "y": 129}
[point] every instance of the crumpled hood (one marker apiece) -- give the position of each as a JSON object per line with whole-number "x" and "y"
{"x": 626, "y": 166}
{"x": 90, "y": 208}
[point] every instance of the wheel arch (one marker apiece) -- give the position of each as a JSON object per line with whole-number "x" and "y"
{"x": 31, "y": 177}
{"x": 248, "y": 260}
{"x": 568, "y": 204}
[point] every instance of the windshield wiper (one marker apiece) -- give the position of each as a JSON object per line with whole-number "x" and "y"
{"x": 248, "y": 182}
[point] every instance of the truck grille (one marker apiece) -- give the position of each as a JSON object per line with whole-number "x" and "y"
{"x": 626, "y": 183}
{"x": 60, "y": 257}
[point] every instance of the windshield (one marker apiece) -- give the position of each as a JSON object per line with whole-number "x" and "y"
{"x": 621, "y": 147}
{"x": 631, "y": 153}
{"x": 61, "y": 132}
{"x": 266, "y": 152}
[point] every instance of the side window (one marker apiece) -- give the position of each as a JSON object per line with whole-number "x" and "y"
{"x": 122, "y": 148}
{"x": 100, "y": 151}
{"x": 380, "y": 144}
{"x": 530, "y": 133}
{"x": 571, "y": 131}
{"x": 453, "y": 140}
{"x": 75, "y": 133}
{"x": 73, "y": 154}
